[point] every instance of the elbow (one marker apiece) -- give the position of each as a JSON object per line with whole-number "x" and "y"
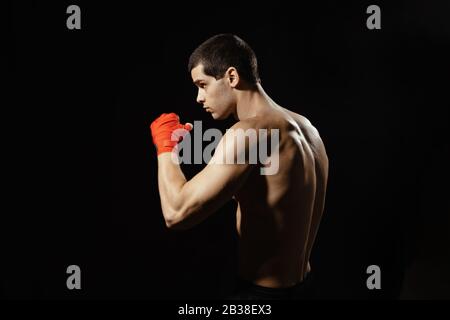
{"x": 175, "y": 221}
{"x": 172, "y": 224}
{"x": 183, "y": 217}
{"x": 176, "y": 225}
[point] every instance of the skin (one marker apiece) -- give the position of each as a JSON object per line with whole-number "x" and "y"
{"x": 278, "y": 215}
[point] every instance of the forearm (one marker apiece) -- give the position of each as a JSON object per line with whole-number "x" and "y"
{"x": 170, "y": 182}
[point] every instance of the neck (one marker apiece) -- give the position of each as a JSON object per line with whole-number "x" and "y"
{"x": 251, "y": 103}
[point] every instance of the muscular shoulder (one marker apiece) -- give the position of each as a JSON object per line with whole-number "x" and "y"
{"x": 238, "y": 140}
{"x": 251, "y": 123}
{"x": 311, "y": 136}
{"x": 256, "y": 126}
{"x": 275, "y": 120}
{"x": 304, "y": 126}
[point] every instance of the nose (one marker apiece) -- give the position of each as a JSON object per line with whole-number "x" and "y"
{"x": 200, "y": 97}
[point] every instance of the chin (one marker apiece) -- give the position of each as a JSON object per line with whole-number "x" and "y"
{"x": 218, "y": 116}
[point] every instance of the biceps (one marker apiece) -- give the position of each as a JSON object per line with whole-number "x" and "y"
{"x": 215, "y": 185}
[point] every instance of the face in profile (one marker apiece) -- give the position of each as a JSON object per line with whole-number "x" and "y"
{"x": 216, "y": 96}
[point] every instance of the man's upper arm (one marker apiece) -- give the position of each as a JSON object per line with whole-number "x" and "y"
{"x": 216, "y": 183}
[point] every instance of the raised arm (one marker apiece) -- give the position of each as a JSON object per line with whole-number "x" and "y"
{"x": 187, "y": 203}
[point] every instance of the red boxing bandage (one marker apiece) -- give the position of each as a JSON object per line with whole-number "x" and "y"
{"x": 167, "y": 131}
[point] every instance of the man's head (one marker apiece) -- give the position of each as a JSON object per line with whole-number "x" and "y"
{"x": 220, "y": 66}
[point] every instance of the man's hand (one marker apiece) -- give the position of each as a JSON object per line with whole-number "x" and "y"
{"x": 167, "y": 131}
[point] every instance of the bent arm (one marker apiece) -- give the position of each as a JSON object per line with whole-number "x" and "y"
{"x": 187, "y": 203}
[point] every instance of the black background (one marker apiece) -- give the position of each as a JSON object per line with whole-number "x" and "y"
{"x": 80, "y": 174}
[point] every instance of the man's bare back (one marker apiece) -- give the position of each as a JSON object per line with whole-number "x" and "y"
{"x": 278, "y": 215}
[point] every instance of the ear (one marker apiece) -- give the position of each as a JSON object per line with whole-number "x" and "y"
{"x": 232, "y": 76}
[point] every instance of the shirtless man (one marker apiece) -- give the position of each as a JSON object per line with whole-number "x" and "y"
{"x": 278, "y": 215}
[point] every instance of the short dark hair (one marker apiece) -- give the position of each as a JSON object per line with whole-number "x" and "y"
{"x": 222, "y": 51}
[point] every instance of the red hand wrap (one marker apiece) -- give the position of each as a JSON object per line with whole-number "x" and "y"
{"x": 163, "y": 132}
